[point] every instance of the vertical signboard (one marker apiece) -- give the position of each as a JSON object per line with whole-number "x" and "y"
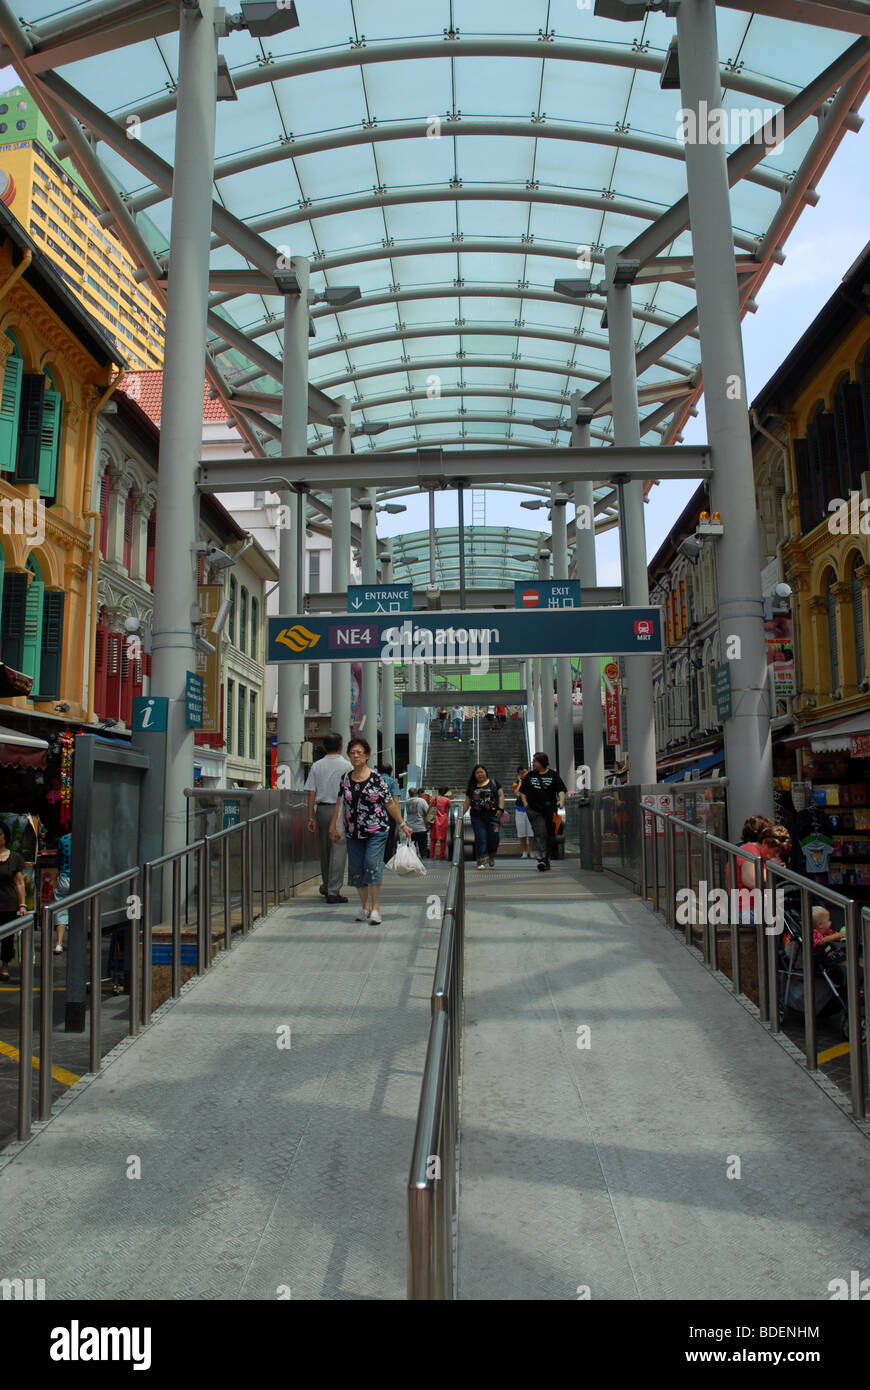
{"x": 209, "y": 598}
{"x": 610, "y": 676}
{"x": 779, "y": 641}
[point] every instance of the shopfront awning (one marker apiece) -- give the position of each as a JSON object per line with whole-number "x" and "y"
{"x": 835, "y": 736}
{"x": 688, "y": 765}
{"x": 21, "y": 750}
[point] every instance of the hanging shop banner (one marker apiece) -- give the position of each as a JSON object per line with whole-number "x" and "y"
{"x": 610, "y": 677}
{"x": 684, "y": 622}
{"x": 209, "y": 597}
{"x": 779, "y": 640}
{"x": 722, "y": 677}
{"x": 859, "y": 745}
{"x": 468, "y": 638}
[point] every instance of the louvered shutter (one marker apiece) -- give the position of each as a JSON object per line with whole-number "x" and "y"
{"x": 804, "y": 484}
{"x": 33, "y": 629}
{"x": 10, "y": 404}
{"x": 49, "y": 446}
{"x": 100, "y": 671}
{"x": 128, "y": 532}
{"x": 857, "y": 435}
{"x": 104, "y": 515}
{"x": 113, "y": 676}
{"x": 52, "y": 645}
{"x": 149, "y": 549}
{"x": 12, "y": 624}
{"x": 126, "y": 683}
{"x": 30, "y": 427}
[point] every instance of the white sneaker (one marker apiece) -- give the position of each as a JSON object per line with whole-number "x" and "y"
{"x": 362, "y": 916}
{"x": 374, "y": 919}
{"x": 524, "y": 856}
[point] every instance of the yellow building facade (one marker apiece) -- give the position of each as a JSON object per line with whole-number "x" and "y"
{"x": 56, "y": 370}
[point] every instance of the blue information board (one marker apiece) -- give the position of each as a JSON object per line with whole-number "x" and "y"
{"x": 468, "y": 636}
{"x": 150, "y": 713}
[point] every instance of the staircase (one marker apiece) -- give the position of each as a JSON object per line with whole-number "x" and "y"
{"x": 502, "y": 750}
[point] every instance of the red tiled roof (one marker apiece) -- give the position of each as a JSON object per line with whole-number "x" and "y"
{"x": 146, "y": 389}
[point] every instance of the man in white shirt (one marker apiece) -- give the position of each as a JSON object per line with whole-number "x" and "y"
{"x": 322, "y": 788}
{"x": 457, "y": 719}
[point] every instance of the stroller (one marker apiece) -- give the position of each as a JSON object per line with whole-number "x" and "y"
{"x": 829, "y": 971}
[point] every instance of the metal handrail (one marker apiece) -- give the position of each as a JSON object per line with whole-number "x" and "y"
{"x": 140, "y": 914}
{"x": 769, "y": 874}
{"x": 432, "y": 1182}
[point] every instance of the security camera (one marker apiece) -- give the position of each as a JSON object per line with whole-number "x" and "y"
{"x": 219, "y": 559}
{"x": 221, "y": 617}
{"x": 689, "y": 548}
{"x": 782, "y": 591}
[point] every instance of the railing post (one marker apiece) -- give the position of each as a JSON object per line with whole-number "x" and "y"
{"x": 147, "y": 943}
{"x": 25, "y": 1032}
{"x": 175, "y": 982}
{"x": 46, "y": 1014}
{"x": 134, "y": 956}
{"x": 710, "y": 952}
{"x": 670, "y": 874}
{"x": 767, "y": 989}
{"x": 853, "y": 1002}
{"x": 688, "y": 839}
{"x": 227, "y": 892}
{"x": 264, "y": 897}
{"x": 96, "y": 982}
{"x": 276, "y": 851}
{"x": 247, "y": 885}
{"x": 203, "y": 916}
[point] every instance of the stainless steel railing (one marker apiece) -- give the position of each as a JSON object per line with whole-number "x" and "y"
{"x": 214, "y": 881}
{"x": 432, "y": 1185}
{"x": 704, "y": 861}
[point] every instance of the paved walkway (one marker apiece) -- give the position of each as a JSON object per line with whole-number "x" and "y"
{"x": 262, "y": 1167}
{"x": 606, "y": 1169}
{"x": 268, "y": 1171}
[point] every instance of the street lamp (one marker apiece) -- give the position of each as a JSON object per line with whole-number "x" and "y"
{"x": 392, "y": 507}
{"x": 535, "y": 505}
{"x": 552, "y": 423}
{"x": 263, "y": 19}
{"x": 337, "y": 295}
{"x": 370, "y": 427}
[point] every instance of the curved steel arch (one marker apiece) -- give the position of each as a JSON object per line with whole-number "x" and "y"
{"x": 431, "y": 193}
{"x": 427, "y": 363}
{"x": 496, "y": 330}
{"x": 477, "y": 291}
{"x": 414, "y": 128}
{"x": 454, "y": 46}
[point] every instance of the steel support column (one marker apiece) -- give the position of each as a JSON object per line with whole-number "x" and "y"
{"x": 565, "y": 716}
{"x": 584, "y": 552}
{"x": 294, "y": 433}
{"x": 370, "y": 669}
{"x": 749, "y": 762}
{"x": 341, "y": 569}
{"x": 388, "y": 679}
{"x": 545, "y": 676}
{"x": 626, "y": 432}
{"x": 183, "y": 381}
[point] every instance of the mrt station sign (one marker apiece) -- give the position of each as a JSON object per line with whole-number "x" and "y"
{"x": 466, "y": 637}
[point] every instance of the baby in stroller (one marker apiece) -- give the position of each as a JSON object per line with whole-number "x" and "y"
{"x": 829, "y": 969}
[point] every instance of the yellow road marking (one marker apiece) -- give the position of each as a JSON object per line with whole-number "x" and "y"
{"x": 828, "y": 1056}
{"x": 67, "y": 1078}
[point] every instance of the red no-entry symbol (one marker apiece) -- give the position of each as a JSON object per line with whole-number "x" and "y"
{"x": 531, "y": 597}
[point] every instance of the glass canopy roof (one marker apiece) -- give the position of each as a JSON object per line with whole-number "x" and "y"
{"x": 452, "y": 160}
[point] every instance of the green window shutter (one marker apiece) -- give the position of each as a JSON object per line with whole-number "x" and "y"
{"x": 12, "y": 623}
{"x": 52, "y": 645}
{"x": 33, "y": 629}
{"x": 10, "y": 402}
{"x": 30, "y": 427}
{"x": 49, "y": 443}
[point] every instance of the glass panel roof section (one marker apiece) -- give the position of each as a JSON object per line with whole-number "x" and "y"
{"x": 574, "y": 154}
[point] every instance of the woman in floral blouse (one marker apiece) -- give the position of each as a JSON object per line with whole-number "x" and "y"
{"x": 368, "y": 805}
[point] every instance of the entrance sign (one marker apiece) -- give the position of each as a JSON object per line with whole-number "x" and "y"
{"x": 466, "y": 637}
{"x": 547, "y": 593}
{"x": 209, "y": 597}
{"x": 380, "y": 598}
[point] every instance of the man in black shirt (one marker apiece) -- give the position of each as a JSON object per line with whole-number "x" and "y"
{"x": 541, "y": 791}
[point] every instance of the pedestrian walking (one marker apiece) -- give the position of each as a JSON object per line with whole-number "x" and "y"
{"x": 416, "y": 808}
{"x": 438, "y": 823}
{"x": 12, "y": 895}
{"x": 457, "y": 719}
{"x": 484, "y": 798}
{"x": 524, "y": 830}
{"x": 542, "y": 790}
{"x": 386, "y": 771}
{"x": 500, "y": 715}
{"x": 368, "y": 806}
{"x": 490, "y": 717}
{"x": 442, "y": 720}
{"x": 322, "y": 787}
{"x": 61, "y": 888}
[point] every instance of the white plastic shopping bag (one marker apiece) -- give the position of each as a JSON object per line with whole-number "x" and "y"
{"x": 406, "y": 860}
